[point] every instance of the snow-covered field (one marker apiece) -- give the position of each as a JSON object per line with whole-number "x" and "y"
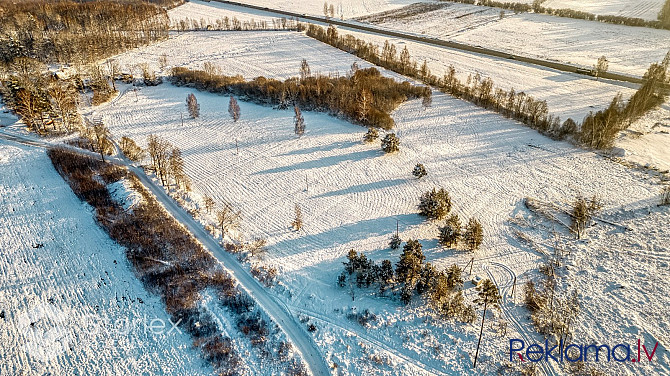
{"x": 567, "y": 94}
{"x": 647, "y": 141}
{"x": 629, "y": 50}
{"x": 250, "y": 54}
{"x": 69, "y": 302}
{"x": 351, "y": 196}
{"x": 278, "y": 55}
{"x": 343, "y": 8}
{"x": 645, "y": 9}
{"x": 210, "y": 12}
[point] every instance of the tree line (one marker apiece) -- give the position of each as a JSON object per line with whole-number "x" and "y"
{"x": 67, "y": 31}
{"x": 364, "y": 96}
{"x": 597, "y": 130}
{"x": 662, "y": 21}
{"x": 234, "y": 24}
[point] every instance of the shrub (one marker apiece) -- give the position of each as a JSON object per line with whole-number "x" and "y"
{"x": 435, "y": 204}
{"x": 371, "y": 135}
{"x": 419, "y": 171}
{"x": 131, "y": 150}
{"x": 390, "y": 143}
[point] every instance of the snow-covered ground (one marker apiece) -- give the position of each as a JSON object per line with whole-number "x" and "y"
{"x": 210, "y": 12}
{"x": 647, "y": 141}
{"x": 629, "y": 50}
{"x": 278, "y": 55}
{"x": 343, "y": 8}
{"x": 351, "y": 196}
{"x": 250, "y": 54}
{"x": 69, "y": 302}
{"x": 567, "y": 94}
{"x": 645, "y": 9}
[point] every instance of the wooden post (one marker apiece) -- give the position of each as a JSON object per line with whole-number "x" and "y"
{"x": 397, "y": 228}
{"x": 513, "y": 287}
{"x": 237, "y": 147}
{"x": 182, "y": 119}
{"x": 306, "y": 184}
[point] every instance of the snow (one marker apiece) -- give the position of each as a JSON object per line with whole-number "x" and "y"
{"x": 122, "y": 192}
{"x": 647, "y": 140}
{"x": 70, "y": 301}
{"x": 630, "y": 50}
{"x": 567, "y": 94}
{"x": 343, "y": 8}
{"x": 645, "y": 9}
{"x": 356, "y": 194}
{"x": 213, "y": 11}
{"x": 250, "y": 54}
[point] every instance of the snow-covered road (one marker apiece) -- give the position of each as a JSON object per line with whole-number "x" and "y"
{"x": 298, "y": 336}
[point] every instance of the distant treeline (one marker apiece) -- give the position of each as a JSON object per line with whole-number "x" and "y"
{"x": 364, "y": 96}
{"x": 234, "y": 24}
{"x": 73, "y": 32}
{"x": 598, "y": 130}
{"x": 663, "y": 21}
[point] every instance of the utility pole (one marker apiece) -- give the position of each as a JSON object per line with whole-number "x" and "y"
{"x": 237, "y": 147}
{"x": 513, "y": 287}
{"x": 306, "y": 184}
{"x": 182, "y": 119}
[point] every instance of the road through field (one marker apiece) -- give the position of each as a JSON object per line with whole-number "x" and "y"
{"x": 298, "y": 336}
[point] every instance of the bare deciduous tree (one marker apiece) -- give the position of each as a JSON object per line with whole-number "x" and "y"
{"x": 234, "y": 109}
{"x": 192, "y": 106}
{"x": 601, "y": 66}
{"x": 299, "y": 122}
{"x": 297, "y": 221}
{"x": 227, "y": 219}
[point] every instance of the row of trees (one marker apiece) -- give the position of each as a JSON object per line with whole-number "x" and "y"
{"x": 227, "y": 23}
{"x": 167, "y": 162}
{"x": 68, "y": 31}
{"x": 597, "y": 130}
{"x": 364, "y": 96}
{"x": 663, "y": 21}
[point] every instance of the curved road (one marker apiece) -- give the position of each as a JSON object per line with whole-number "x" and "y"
{"x": 445, "y": 43}
{"x": 295, "y": 332}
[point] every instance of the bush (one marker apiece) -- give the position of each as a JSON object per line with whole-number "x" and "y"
{"x": 371, "y": 135}
{"x": 131, "y": 150}
{"x": 435, "y": 204}
{"x": 419, "y": 171}
{"x": 390, "y": 143}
